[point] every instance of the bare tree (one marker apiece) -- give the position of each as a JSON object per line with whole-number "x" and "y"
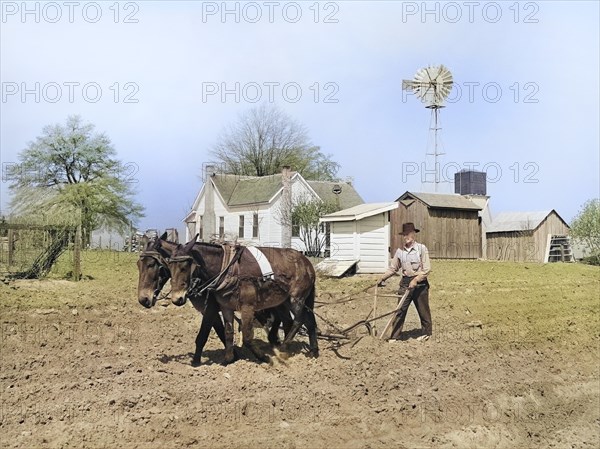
{"x": 265, "y": 139}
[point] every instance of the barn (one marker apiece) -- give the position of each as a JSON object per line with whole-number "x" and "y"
{"x": 528, "y": 237}
{"x": 361, "y": 233}
{"x": 450, "y": 224}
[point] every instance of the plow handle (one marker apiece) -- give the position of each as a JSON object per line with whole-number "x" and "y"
{"x": 400, "y": 303}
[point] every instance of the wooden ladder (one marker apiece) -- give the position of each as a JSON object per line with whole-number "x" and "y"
{"x": 558, "y": 249}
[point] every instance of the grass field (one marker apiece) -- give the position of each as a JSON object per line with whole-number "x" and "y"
{"x": 544, "y": 303}
{"x": 555, "y": 303}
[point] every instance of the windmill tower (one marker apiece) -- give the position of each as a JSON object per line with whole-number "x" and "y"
{"x": 432, "y": 85}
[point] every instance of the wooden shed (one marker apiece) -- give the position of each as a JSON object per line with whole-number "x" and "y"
{"x": 528, "y": 237}
{"x": 450, "y": 224}
{"x": 361, "y": 233}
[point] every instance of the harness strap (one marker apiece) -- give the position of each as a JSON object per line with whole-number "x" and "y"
{"x": 216, "y": 280}
{"x": 156, "y": 256}
{"x": 229, "y": 252}
{"x": 263, "y": 263}
{"x": 163, "y": 265}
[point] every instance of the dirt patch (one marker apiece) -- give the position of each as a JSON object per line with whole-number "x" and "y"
{"x": 83, "y": 365}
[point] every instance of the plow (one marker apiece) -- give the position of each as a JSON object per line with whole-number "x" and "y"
{"x": 348, "y": 334}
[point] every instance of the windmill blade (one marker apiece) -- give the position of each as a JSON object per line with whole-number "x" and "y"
{"x": 431, "y": 73}
{"x": 427, "y": 93}
{"x": 431, "y": 84}
{"x": 422, "y": 75}
{"x": 414, "y": 85}
{"x": 418, "y": 88}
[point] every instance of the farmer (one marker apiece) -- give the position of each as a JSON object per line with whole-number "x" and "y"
{"x": 413, "y": 260}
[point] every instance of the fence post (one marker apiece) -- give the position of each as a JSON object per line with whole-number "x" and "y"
{"x": 11, "y": 243}
{"x": 77, "y": 254}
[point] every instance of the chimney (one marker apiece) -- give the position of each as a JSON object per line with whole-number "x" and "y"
{"x": 470, "y": 182}
{"x": 286, "y": 207}
{"x": 209, "y": 221}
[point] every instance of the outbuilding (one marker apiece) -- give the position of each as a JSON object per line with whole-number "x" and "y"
{"x": 450, "y": 224}
{"x": 361, "y": 233}
{"x": 528, "y": 237}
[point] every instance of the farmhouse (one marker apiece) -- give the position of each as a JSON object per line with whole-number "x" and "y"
{"x": 249, "y": 208}
{"x": 528, "y": 237}
{"x": 450, "y": 224}
{"x": 362, "y": 233}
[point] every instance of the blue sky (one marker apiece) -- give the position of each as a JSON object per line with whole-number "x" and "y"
{"x": 532, "y": 118}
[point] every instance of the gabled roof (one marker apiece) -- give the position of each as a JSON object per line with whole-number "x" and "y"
{"x": 239, "y": 190}
{"x": 347, "y": 198}
{"x": 519, "y": 221}
{"x": 360, "y": 211}
{"x": 442, "y": 200}
{"x": 243, "y": 190}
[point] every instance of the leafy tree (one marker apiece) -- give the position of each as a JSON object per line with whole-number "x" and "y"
{"x": 586, "y": 228}
{"x": 306, "y": 213}
{"x": 265, "y": 139}
{"x": 71, "y": 171}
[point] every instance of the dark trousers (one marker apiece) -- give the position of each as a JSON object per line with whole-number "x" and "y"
{"x": 420, "y": 296}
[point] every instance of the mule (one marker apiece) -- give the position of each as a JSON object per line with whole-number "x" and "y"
{"x": 153, "y": 275}
{"x": 243, "y": 287}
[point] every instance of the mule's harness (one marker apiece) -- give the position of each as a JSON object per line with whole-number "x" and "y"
{"x": 230, "y": 256}
{"x": 156, "y": 256}
{"x": 162, "y": 262}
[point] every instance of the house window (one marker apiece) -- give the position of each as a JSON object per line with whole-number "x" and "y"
{"x": 221, "y": 227}
{"x": 255, "y": 226}
{"x": 201, "y": 228}
{"x": 295, "y": 229}
{"x": 241, "y": 227}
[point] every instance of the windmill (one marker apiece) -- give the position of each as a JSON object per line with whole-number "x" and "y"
{"x": 432, "y": 85}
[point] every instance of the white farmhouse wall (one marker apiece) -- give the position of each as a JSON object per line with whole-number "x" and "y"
{"x": 269, "y": 232}
{"x": 232, "y": 223}
{"x": 273, "y": 225}
{"x": 301, "y": 191}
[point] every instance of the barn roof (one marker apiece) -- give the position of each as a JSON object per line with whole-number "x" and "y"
{"x": 242, "y": 190}
{"x": 360, "y": 211}
{"x": 442, "y": 200}
{"x": 519, "y": 221}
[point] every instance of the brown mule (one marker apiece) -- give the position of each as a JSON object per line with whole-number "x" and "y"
{"x": 153, "y": 275}
{"x": 243, "y": 287}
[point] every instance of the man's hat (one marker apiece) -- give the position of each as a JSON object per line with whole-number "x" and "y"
{"x": 408, "y": 227}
